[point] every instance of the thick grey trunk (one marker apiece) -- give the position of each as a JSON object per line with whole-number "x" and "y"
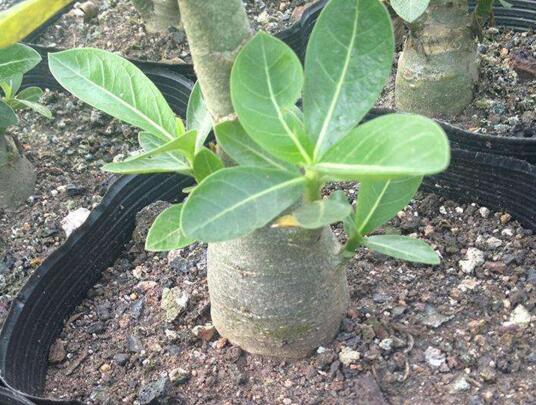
{"x": 158, "y": 15}
{"x": 216, "y": 30}
{"x": 17, "y": 176}
{"x": 278, "y": 292}
{"x": 439, "y": 65}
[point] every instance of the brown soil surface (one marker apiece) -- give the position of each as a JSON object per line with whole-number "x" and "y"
{"x": 67, "y": 152}
{"x": 505, "y": 102}
{"x": 119, "y": 28}
{"x": 425, "y": 334}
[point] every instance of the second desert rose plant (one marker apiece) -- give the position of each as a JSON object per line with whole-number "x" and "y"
{"x": 275, "y": 270}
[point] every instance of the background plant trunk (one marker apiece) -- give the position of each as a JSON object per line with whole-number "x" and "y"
{"x": 438, "y": 67}
{"x": 17, "y": 175}
{"x": 275, "y": 292}
{"x": 278, "y": 292}
{"x": 158, "y": 15}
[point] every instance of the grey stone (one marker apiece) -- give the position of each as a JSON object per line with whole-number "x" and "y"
{"x": 134, "y": 344}
{"x": 151, "y": 392}
{"x": 434, "y": 357}
{"x": 121, "y": 359}
{"x": 434, "y": 319}
{"x": 174, "y": 302}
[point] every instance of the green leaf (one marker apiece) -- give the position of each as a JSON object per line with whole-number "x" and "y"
{"x": 505, "y": 4}
{"x": 7, "y": 116}
{"x": 402, "y": 247}
{"x": 410, "y": 10}
{"x": 15, "y": 82}
{"x": 180, "y": 129}
{"x": 165, "y": 234}
{"x": 11, "y": 85}
{"x": 243, "y": 150}
{"x": 38, "y": 108}
{"x": 114, "y": 85}
{"x": 158, "y": 157}
{"x": 380, "y": 200}
{"x": 206, "y": 162}
{"x": 391, "y": 146}
{"x": 198, "y": 116}
{"x": 148, "y": 141}
{"x": 32, "y": 94}
{"x": 321, "y": 213}
{"x": 266, "y": 83}
{"x": 234, "y": 202}
{"x": 147, "y": 165}
{"x": 17, "y": 59}
{"x": 348, "y": 61}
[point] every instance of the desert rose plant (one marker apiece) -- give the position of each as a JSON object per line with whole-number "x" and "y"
{"x": 17, "y": 177}
{"x": 438, "y": 67}
{"x": 276, "y": 272}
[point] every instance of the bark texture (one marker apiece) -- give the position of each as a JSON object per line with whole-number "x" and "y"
{"x": 216, "y": 29}
{"x": 438, "y": 67}
{"x": 158, "y": 15}
{"x": 17, "y": 176}
{"x": 278, "y": 292}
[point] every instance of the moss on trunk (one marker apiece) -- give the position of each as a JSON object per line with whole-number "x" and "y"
{"x": 158, "y": 15}
{"x": 17, "y": 176}
{"x": 438, "y": 67}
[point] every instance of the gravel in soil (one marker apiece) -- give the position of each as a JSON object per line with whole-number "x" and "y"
{"x": 118, "y": 27}
{"x": 67, "y": 152}
{"x": 460, "y": 332}
{"x": 505, "y": 102}
{"x": 5, "y": 4}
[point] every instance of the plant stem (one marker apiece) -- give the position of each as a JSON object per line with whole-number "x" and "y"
{"x": 216, "y": 30}
{"x": 313, "y": 187}
{"x": 158, "y": 15}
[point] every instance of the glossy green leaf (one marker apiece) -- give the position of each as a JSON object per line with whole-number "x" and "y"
{"x": 198, "y": 117}
{"x": 243, "y": 150}
{"x": 15, "y": 82}
{"x": 165, "y": 234}
{"x": 157, "y": 157}
{"x": 31, "y": 94}
{"x": 266, "y": 83}
{"x": 234, "y": 202}
{"x": 380, "y": 200}
{"x": 410, "y": 10}
{"x": 38, "y": 108}
{"x": 348, "y": 61}
{"x": 402, "y": 247}
{"x": 112, "y": 84}
{"x": 321, "y": 213}
{"x": 147, "y": 165}
{"x": 180, "y": 129}
{"x": 206, "y": 162}
{"x": 11, "y": 85}
{"x": 17, "y": 59}
{"x": 7, "y": 116}
{"x": 391, "y": 146}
